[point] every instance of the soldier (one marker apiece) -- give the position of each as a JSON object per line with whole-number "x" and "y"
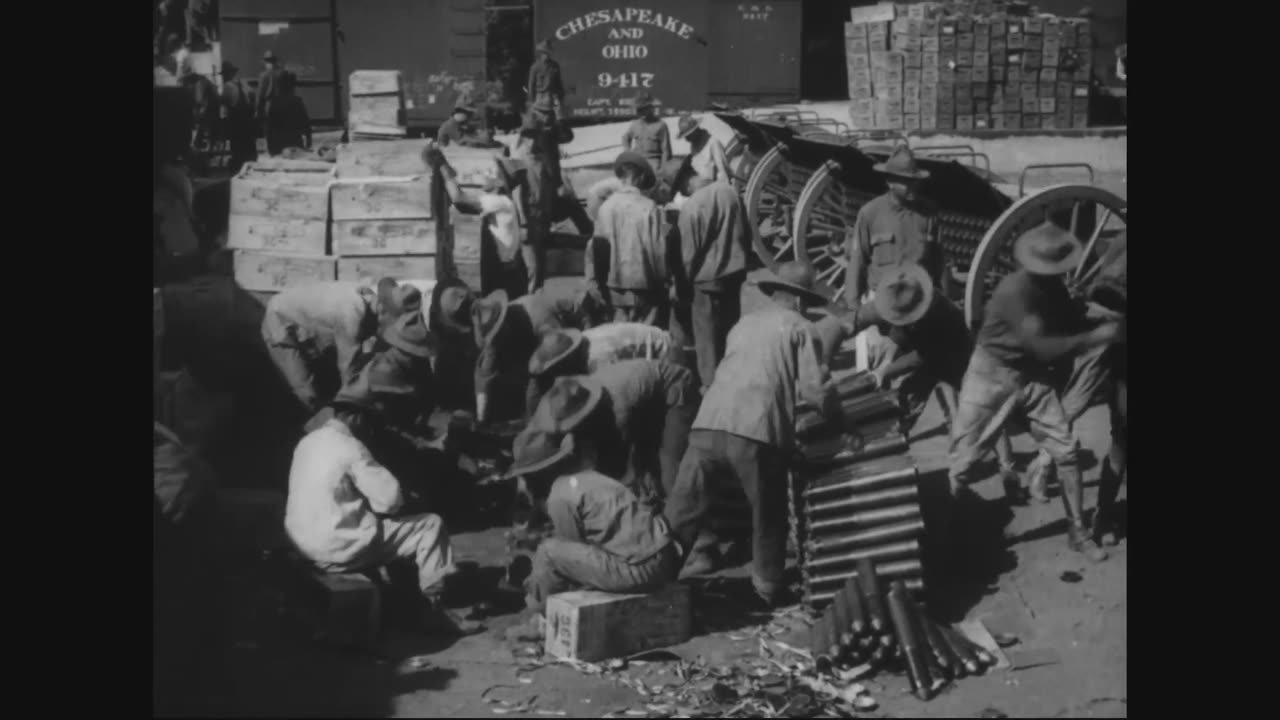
{"x": 546, "y": 86}
{"x": 706, "y": 154}
{"x": 237, "y": 118}
{"x": 648, "y": 134}
{"x": 268, "y": 87}
{"x": 1030, "y": 322}
{"x": 639, "y": 283}
{"x": 288, "y": 125}
{"x": 746, "y": 427}
{"x": 459, "y": 129}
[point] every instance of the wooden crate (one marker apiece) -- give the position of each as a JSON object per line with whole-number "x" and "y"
{"x": 273, "y": 272}
{"x": 381, "y": 158}
{"x": 474, "y": 165}
{"x": 400, "y": 267}
{"x": 375, "y": 82}
{"x": 383, "y": 199}
{"x": 382, "y": 110}
{"x": 591, "y": 626}
{"x": 385, "y": 237}
{"x": 289, "y": 236}
{"x": 301, "y": 195}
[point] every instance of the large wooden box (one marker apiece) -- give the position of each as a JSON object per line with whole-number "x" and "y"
{"x": 285, "y": 194}
{"x": 400, "y": 267}
{"x": 590, "y": 626}
{"x": 474, "y": 165}
{"x": 272, "y": 272}
{"x": 381, "y": 158}
{"x": 380, "y": 110}
{"x": 291, "y": 236}
{"x": 375, "y": 82}
{"x": 383, "y": 199}
{"x": 385, "y": 237}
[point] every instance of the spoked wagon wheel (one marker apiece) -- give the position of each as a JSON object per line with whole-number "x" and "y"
{"x": 741, "y": 162}
{"x": 1091, "y": 214}
{"x": 825, "y": 209}
{"x": 771, "y": 195}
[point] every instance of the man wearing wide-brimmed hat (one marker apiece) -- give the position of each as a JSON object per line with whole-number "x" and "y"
{"x": 237, "y": 118}
{"x": 343, "y": 503}
{"x": 706, "y": 154}
{"x": 605, "y": 538}
{"x": 1030, "y": 323}
{"x": 630, "y": 223}
{"x": 746, "y": 426}
{"x": 268, "y": 86}
{"x": 546, "y": 84}
{"x": 458, "y": 129}
{"x": 648, "y": 134}
{"x": 648, "y": 409}
{"x": 315, "y": 333}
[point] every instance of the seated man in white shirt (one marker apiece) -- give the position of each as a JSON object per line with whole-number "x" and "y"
{"x": 342, "y": 502}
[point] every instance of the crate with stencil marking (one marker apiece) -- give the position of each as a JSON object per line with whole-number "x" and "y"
{"x": 591, "y": 626}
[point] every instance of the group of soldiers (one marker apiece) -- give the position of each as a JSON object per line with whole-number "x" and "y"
{"x": 625, "y": 442}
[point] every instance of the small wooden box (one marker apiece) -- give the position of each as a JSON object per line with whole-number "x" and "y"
{"x": 964, "y": 122}
{"x": 1031, "y": 61}
{"x": 860, "y": 91}
{"x": 930, "y": 44}
{"x": 400, "y": 267}
{"x": 1033, "y": 42}
{"x": 981, "y": 43}
{"x": 912, "y": 60}
{"x": 1047, "y": 106}
{"x": 997, "y": 121}
{"x": 289, "y": 236}
{"x": 1048, "y": 122}
{"x": 1080, "y": 120}
{"x": 1015, "y": 41}
{"x": 911, "y": 106}
{"x": 981, "y": 59}
{"x": 879, "y": 59}
{"x": 981, "y": 122}
{"x": 877, "y": 29}
{"x": 929, "y": 28}
{"x": 910, "y": 121}
{"x": 381, "y": 158}
{"x": 964, "y": 76}
{"x": 1029, "y": 90}
{"x": 270, "y": 272}
{"x": 855, "y": 31}
{"x": 947, "y": 42}
{"x": 1046, "y": 89}
{"x": 894, "y": 121}
{"x": 906, "y": 43}
{"x": 862, "y": 107}
{"x": 878, "y": 43}
{"x": 911, "y": 76}
{"x": 300, "y": 195}
{"x": 894, "y": 78}
{"x": 858, "y": 46}
{"x": 1012, "y": 121}
{"x": 998, "y": 49}
{"x": 930, "y": 75}
{"x": 385, "y": 237}
{"x": 860, "y": 77}
{"x": 964, "y": 58}
{"x": 895, "y": 59}
{"x": 900, "y": 26}
{"x": 999, "y": 75}
{"x": 862, "y": 122}
{"x": 387, "y": 110}
{"x": 1048, "y": 75}
{"x": 375, "y": 82}
{"x": 911, "y": 91}
{"x": 1033, "y": 26}
{"x": 592, "y": 625}
{"x": 1030, "y": 121}
{"x": 982, "y": 75}
{"x": 1030, "y": 105}
{"x": 964, "y": 41}
{"x": 964, "y": 24}
{"x": 859, "y": 61}
{"x": 998, "y": 28}
{"x": 945, "y": 121}
{"x": 382, "y": 199}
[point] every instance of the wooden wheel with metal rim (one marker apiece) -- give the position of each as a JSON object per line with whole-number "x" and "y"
{"x": 771, "y": 195}
{"x": 741, "y": 162}
{"x": 1090, "y": 213}
{"x": 825, "y": 210}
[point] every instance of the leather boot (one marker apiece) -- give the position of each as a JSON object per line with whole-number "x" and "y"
{"x": 1078, "y": 538}
{"x": 1104, "y": 522}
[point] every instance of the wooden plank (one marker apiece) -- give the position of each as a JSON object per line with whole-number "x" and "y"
{"x": 473, "y": 165}
{"x": 381, "y": 158}
{"x": 378, "y": 131}
{"x": 280, "y": 196}
{"x": 465, "y": 231}
{"x": 375, "y": 82}
{"x": 289, "y": 236}
{"x": 400, "y": 267}
{"x": 272, "y": 272}
{"x": 304, "y": 169}
{"x": 589, "y": 625}
{"x": 383, "y": 199}
{"x": 384, "y": 237}
{"x": 385, "y": 110}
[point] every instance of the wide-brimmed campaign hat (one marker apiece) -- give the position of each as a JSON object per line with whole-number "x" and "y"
{"x": 644, "y": 100}
{"x": 904, "y": 294}
{"x": 455, "y": 308}
{"x": 409, "y": 333}
{"x": 569, "y": 401}
{"x": 554, "y": 348}
{"x": 902, "y": 163}
{"x": 385, "y": 377}
{"x": 397, "y": 299}
{"x": 648, "y": 178}
{"x": 487, "y": 314}
{"x": 543, "y": 47}
{"x": 686, "y": 125}
{"x": 464, "y": 104}
{"x": 797, "y": 278}
{"x": 270, "y": 56}
{"x": 673, "y": 171}
{"x": 534, "y": 451}
{"x": 1048, "y": 250}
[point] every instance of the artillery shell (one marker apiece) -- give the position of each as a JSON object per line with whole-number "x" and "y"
{"x": 857, "y": 615}
{"x": 866, "y": 538}
{"x": 816, "y": 597}
{"x": 917, "y": 667}
{"x": 819, "y": 635}
{"x": 960, "y": 648}
{"x": 946, "y": 658}
{"x": 865, "y": 501}
{"x": 881, "y": 553}
{"x": 850, "y": 478}
{"x": 861, "y": 410}
{"x": 939, "y": 666}
{"x": 870, "y": 584}
{"x": 840, "y": 611}
{"x": 900, "y": 570}
{"x": 875, "y": 447}
{"x": 867, "y": 519}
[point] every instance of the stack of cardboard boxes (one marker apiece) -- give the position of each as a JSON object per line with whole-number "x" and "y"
{"x": 966, "y": 66}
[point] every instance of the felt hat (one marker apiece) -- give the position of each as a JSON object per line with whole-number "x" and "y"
{"x": 409, "y": 333}
{"x": 554, "y": 348}
{"x": 396, "y": 299}
{"x": 534, "y": 451}
{"x": 270, "y": 56}
{"x": 1048, "y": 250}
{"x": 797, "y": 278}
{"x": 455, "y": 307}
{"x": 686, "y": 125}
{"x": 902, "y": 163}
{"x": 544, "y": 47}
{"x": 644, "y": 100}
{"x": 648, "y": 178}
{"x": 384, "y": 377}
{"x": 487, "y": 315}
{"x": 904, "y": 294}
{"x": 569, "y": 401}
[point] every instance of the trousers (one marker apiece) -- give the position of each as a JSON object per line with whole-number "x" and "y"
{"x": 561, "y": 565}
{"x": 311, "y": 374}
{"x": 761, "y": 470}
{"x": 713, "y": 314}
{"x": 646, "y": 307}
{"x": 420, "y": 538}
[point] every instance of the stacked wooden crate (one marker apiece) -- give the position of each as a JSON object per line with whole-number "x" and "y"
{"x": 278, "y": 227}
{"x": 967, "y": 66}
{"x": 376, "y": 105}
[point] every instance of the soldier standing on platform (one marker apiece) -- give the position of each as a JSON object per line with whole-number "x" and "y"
{"x": 546, "y": 86}
{"x": 648, "y": 134}
{"x": 237, "y": 118}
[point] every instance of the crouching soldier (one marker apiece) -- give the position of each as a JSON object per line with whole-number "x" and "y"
{"x": 605, "y": 538}
{"x": 319, "y": 335}
{"x": 342, "y": 501}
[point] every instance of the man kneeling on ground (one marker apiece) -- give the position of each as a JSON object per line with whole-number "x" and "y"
{"x": 342, "y": 501}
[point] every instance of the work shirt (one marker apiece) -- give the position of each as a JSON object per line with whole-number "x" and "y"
{"x": 771, "y": 363}
{"x": 715, "y": 236}
{"x": 603, "y": 512}
{"x": 545, "y": 79}
{"x": 651, "y": 139}
{"x": 1017, "y": 298}
{"x": 335, "y": 488}
{"x": 709, "y": 160}
{"x": 937, "y": 343}
{"x": 528, "y": 318}
{"x": 330, "y": 314}
{"x": 632, "y": 223}
{"x": 237, "y": 105}
{"x": 464, "y": 134}
{"x": 268, "y": 90}
{"x": 642, "y": 391}
{"x": 614, "y": 342}
{"x": 501, "y": 219}
{"x": 888, "y": 233}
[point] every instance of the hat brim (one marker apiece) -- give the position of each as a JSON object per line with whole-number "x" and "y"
{"x": 884, "y": 169}
{"x": 893, "y": 316}
{"x": 1039, "y": 266}
{"x": 394, "y": 340}
{"x": 648, "y": 177}
{"x": 769, "y": 287}
{"x": 595, "y": 391}
{"x": 566, "y": 449}
{"x": 499, "y": 297}
{"x": 539, "y": 367}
